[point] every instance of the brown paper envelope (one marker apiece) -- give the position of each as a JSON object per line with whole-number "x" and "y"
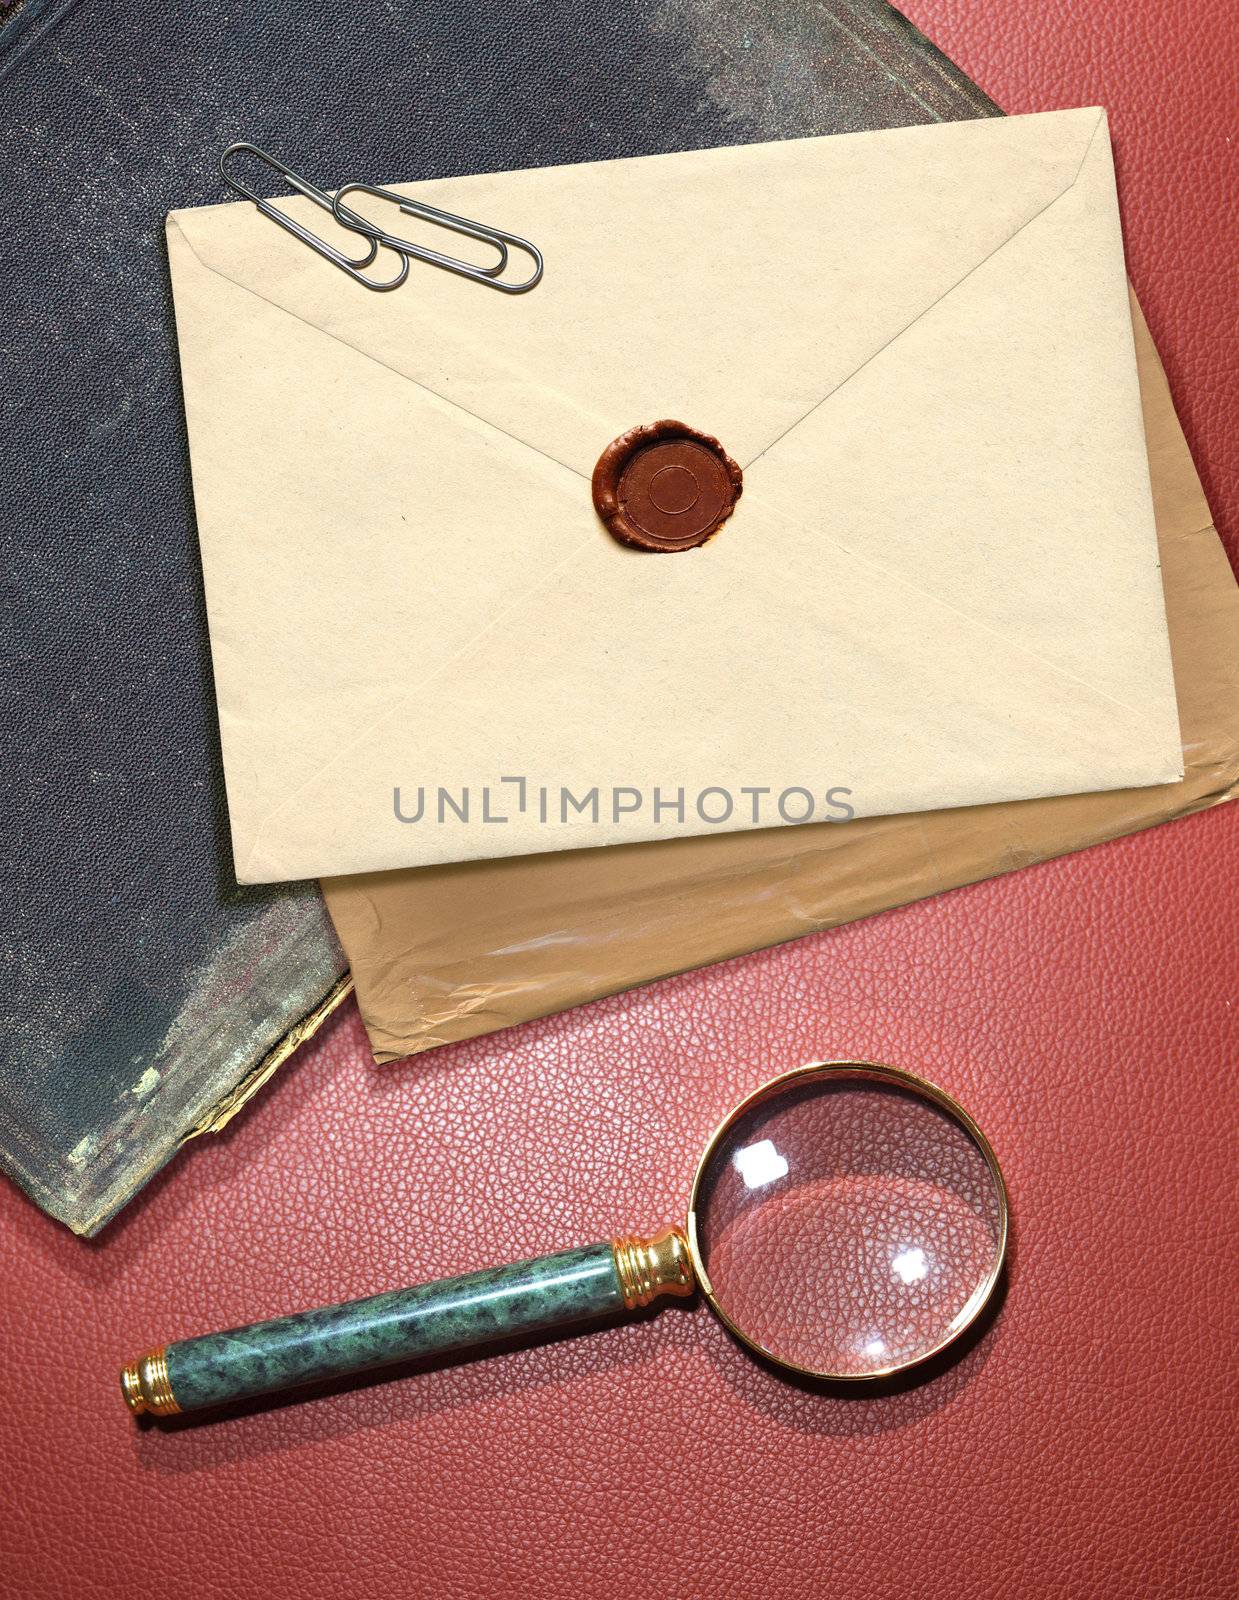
{"x": 446, "y": 953}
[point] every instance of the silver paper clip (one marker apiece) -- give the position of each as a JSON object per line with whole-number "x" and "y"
{"x": 443, "y": 219}
{"x": 320, "y": 198}
{"x": 404, "y": 248}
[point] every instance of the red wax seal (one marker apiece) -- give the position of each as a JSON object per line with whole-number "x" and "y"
{"x": 665, "y": 486}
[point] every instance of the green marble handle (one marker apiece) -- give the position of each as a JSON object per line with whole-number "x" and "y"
{"x": 433, "y": 1319}
{"x": 357, "y": 1337}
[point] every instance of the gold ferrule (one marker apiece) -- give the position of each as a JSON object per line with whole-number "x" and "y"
{"x": 146, "y": 1385}
{"x": 647, "y": 1268}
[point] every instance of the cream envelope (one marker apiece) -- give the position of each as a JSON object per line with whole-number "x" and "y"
{"x": 940, "y": 586}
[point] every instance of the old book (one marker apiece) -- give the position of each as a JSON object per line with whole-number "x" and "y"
{"x": 145, "y": 993}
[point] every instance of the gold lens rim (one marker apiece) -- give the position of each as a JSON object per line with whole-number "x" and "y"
{"x": 872, "y": 1071}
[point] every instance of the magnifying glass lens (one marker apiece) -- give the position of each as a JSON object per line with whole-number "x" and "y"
{"x": 848, "y": 1226}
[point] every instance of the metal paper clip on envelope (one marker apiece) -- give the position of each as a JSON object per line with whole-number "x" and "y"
{"x": 404, "y": 248}
{"x": 442, "y": 219}
{"x": 345, "y": 263}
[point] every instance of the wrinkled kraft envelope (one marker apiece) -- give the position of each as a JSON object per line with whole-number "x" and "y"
{"x": 447, "y": 953}
{"x": 940, "y": 586}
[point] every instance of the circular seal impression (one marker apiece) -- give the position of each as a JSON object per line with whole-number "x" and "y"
{"x": 664, "y": 486}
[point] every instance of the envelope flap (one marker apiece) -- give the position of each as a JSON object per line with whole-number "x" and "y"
{"x": 730, "y": 287}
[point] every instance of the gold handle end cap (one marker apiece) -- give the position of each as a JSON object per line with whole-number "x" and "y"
{"x": 146, "y": 1386}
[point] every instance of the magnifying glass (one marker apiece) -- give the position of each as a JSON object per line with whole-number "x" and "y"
{"x": 847, "y": 1221}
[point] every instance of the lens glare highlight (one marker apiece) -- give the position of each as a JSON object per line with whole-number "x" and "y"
{"x": 848, "y": 1223}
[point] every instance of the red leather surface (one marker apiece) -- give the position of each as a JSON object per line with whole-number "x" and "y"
{"x": 1085, "y": 1012}
{"x": 1169, "y": 77}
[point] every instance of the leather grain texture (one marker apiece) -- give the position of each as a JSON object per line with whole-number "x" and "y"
{"x": 1082, "y": 1444}
{"x": 1168, "y": 79}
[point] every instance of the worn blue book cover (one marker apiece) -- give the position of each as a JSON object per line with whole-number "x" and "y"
{"x": 145, "y": 994}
